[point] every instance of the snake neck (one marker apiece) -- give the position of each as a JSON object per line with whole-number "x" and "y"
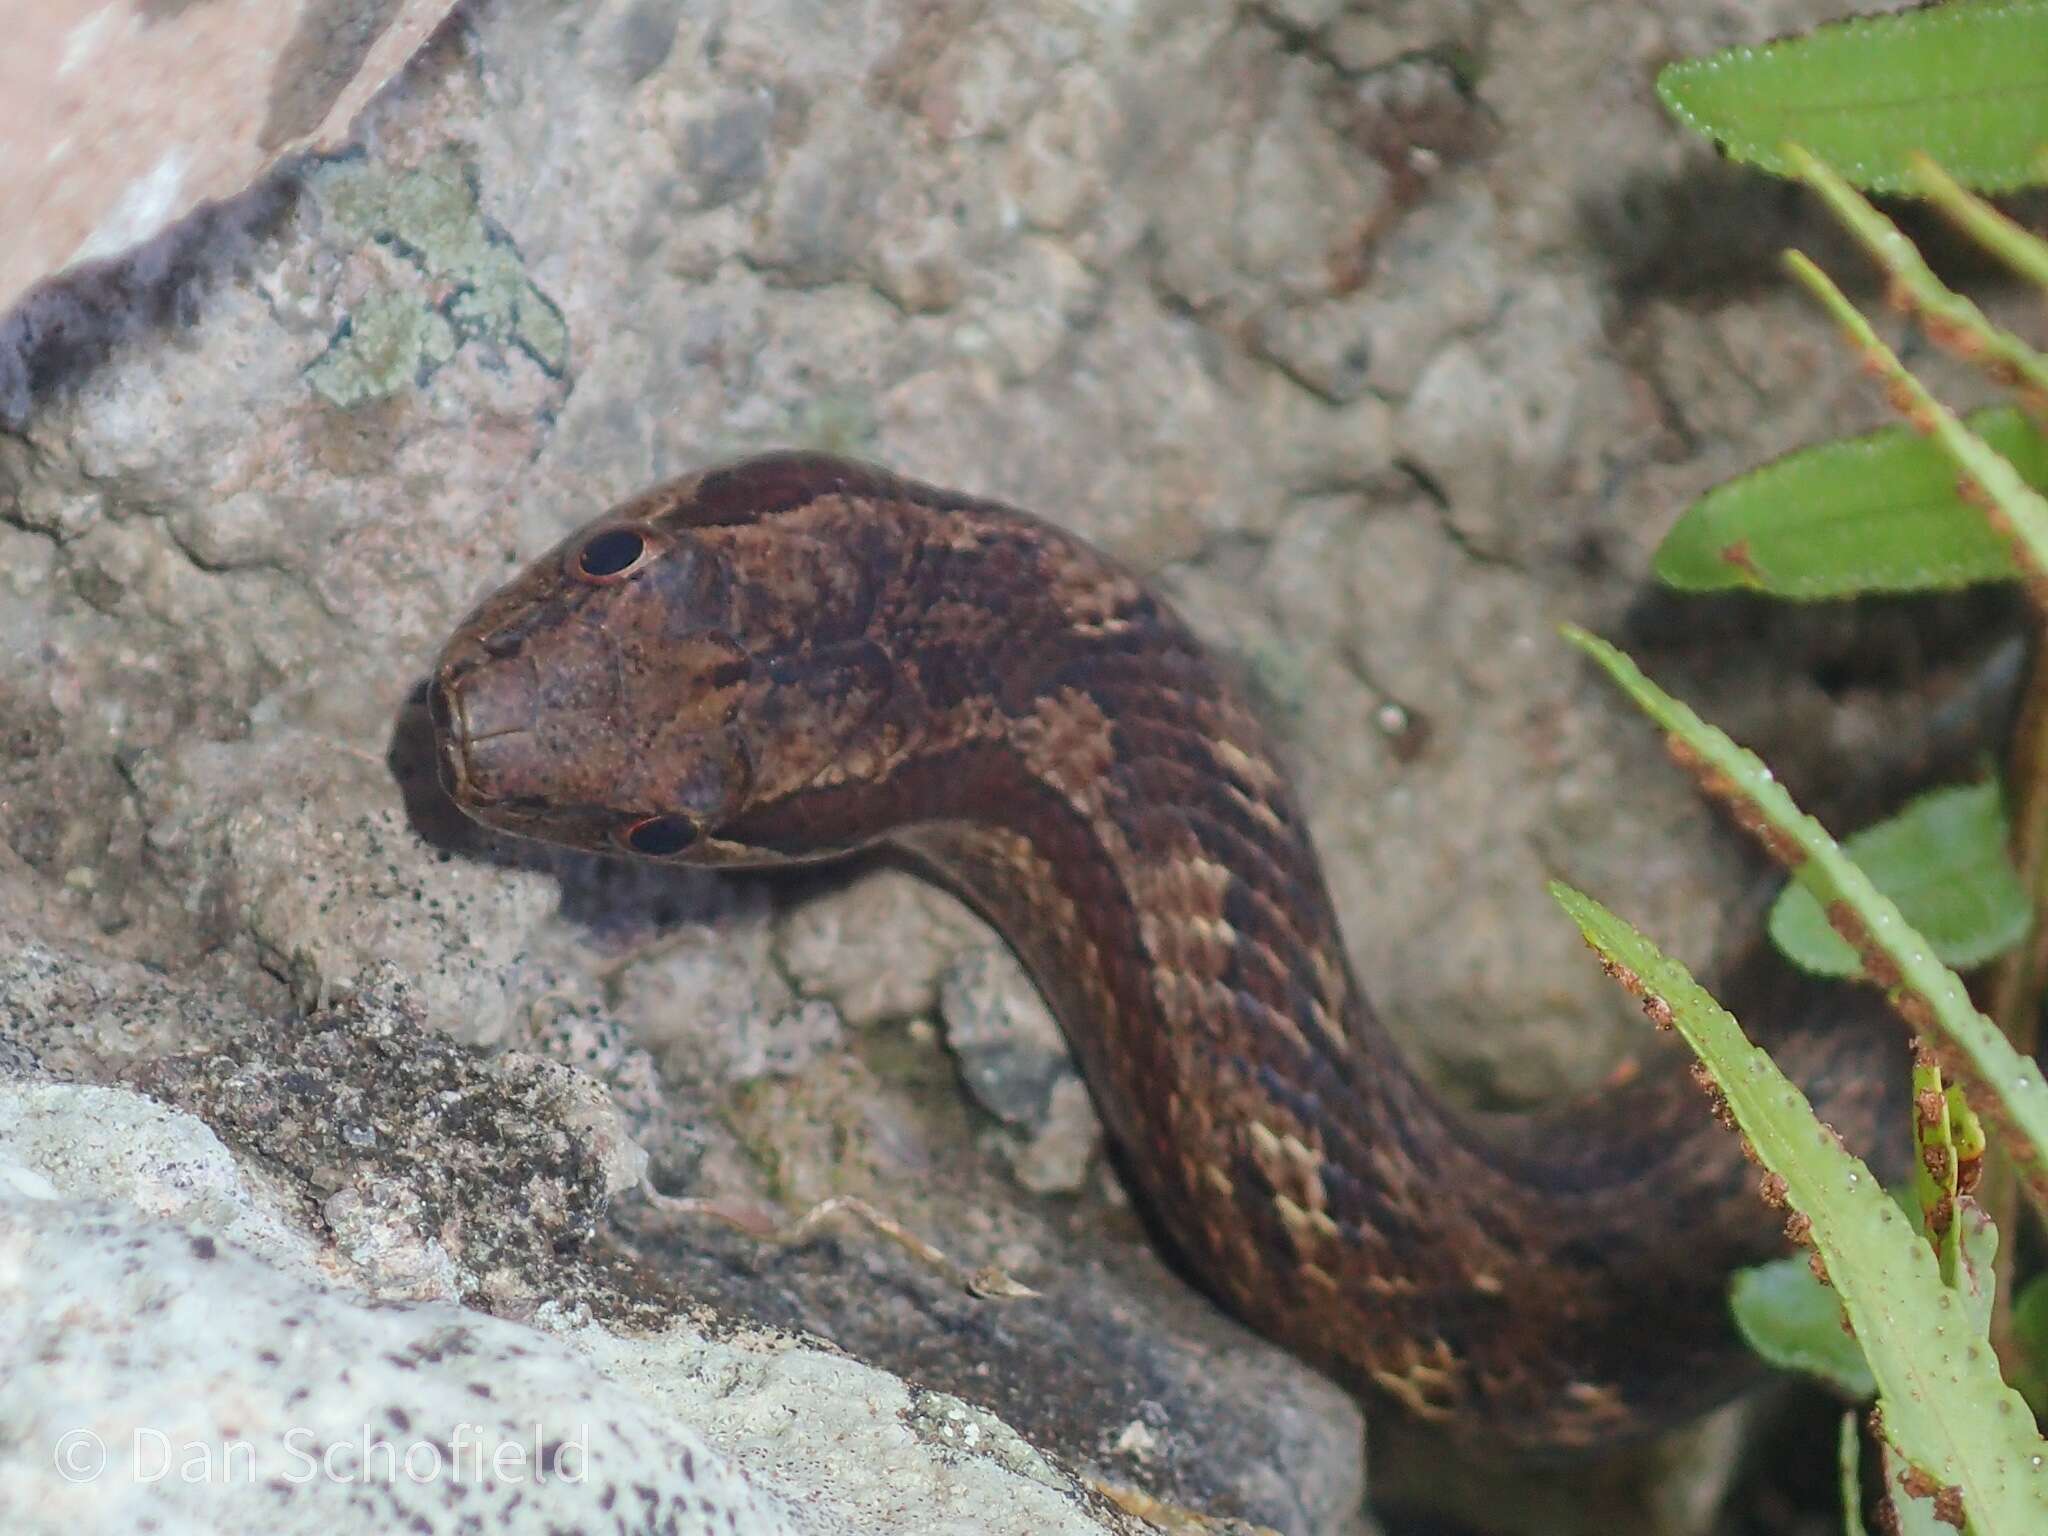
{"x": 1550, "y": 1282}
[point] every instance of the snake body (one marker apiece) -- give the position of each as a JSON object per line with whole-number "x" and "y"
{"x": 796, "y": 657}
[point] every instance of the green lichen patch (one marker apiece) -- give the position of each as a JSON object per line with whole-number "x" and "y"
{"x": 390, "y": 341}
{"x": 473, "y": 287}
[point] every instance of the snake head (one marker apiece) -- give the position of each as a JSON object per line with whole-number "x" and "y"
{"x": 649, "y": 685}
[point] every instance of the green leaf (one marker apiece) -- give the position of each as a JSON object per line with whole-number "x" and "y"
{"x": 2015, "y": 509}
{"x": 1943, "y": 860}
{"x": 1795, "y": 1323}
{"x": 1977, "y": 1283}
{"x": 2030, "y": 1332}
{"x": 1937, "y": 1180}
{"x": 1998, "y": 234}
{"x": 1849, "y": 1468}
{"x": 1943, "y": 1404}
{"x": 1877, "y": 513}
{"x": 1950, "y": 320}
{"x": 1965, "y": 84}
{"x": 2005, "y": 1087}
{"x": 1912, "y": 1517}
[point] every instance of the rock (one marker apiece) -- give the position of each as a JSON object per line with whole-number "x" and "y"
{"x": 81, "y": 1144}
{"x": 1014, "y": 1060}
{"x": 132, "y": 1396}
{"x": 107, "y": 143}
{"x": 827, "y": 946}
{"x": 174, "y": 1339}
{"x": 190, "y": 1387}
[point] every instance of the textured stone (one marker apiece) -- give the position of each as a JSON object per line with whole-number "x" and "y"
{"x": 249, "y": 1401}
{"x": 1013, "y": 1059}
{"x": 106, "y": 143}
{"x": 828, "y": 946}
{"x": 174, "y": 1337}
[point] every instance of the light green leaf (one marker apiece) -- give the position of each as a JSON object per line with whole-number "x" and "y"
{"x": 1915, "y": 1517}
{"x": 1949, "y": 319}
{"x": 2018, "y": 511}
{"x": 2005, "y": 1087}
{"x": 1795, "y": 1323}
{"x": 1942, "y": 1402}
{"x": 1937, "y": 1180}
{"x": 1877, "y": 513}
{"x": 1965, "y": 84}
{"x": 1978, "y": 1281}
{"x": 1943, "y": 860}
{"x": 1998, "y": 234}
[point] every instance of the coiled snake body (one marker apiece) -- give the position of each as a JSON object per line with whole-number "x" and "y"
{"x": 795, "y": 657}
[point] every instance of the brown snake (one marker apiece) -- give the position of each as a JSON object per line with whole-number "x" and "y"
{"x": 795, "y": 657}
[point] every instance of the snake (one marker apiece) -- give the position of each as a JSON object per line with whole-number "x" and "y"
{"x": 797, "y": 657}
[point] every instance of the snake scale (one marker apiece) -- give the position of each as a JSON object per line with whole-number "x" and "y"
{"x": 796, "y": 657}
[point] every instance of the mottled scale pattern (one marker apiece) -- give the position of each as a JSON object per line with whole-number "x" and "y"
{"x": 811, "y": 657}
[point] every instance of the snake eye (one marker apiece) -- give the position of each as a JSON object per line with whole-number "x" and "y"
{"x": 609, "y": 555}
{"x": 659, "y": 836}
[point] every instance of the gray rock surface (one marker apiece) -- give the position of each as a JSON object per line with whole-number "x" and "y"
{"x": 1384, "y": 336}
{"x": 106, "y": 143}
{"x": 180, "y": 1357}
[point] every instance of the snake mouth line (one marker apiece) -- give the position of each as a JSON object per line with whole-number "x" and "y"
{"x": 455, "y": 739}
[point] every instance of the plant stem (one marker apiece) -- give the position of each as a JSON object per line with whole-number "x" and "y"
{"x": 2018, "y": 981}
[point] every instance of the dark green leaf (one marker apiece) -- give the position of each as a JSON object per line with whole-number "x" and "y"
{"x": 2030, "y": 1332}
{"x": 1849, "y": 1473}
